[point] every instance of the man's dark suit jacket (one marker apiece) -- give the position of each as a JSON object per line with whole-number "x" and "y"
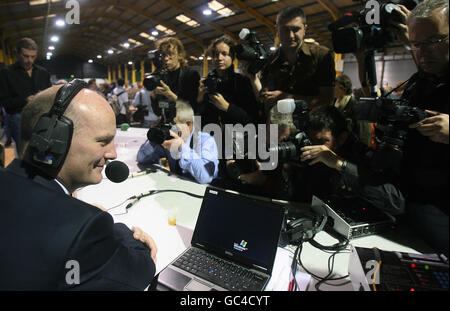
{"x": 42, "y": 229}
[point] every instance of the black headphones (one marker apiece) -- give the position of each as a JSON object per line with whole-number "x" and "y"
{"x": 52, "y": 134}
{"x": 303, "y": 228}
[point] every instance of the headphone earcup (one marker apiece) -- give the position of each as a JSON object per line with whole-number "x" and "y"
{"x": 49, "y": 144}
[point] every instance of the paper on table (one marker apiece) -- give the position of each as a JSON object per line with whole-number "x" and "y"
{"x": 281, "y": 272}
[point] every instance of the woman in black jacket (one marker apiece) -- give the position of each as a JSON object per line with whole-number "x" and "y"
{"x": 179, "y": 82}
{"x": 225, "y": 97}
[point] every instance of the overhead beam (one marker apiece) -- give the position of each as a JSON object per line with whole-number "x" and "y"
{"x": 331, "y": 8}
{"x": 256, "y": 15}
{"x": 156, "y": 19}
{"x": 200, "y": 18}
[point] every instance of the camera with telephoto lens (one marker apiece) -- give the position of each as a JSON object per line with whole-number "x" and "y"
{"x": 372, "y": 26}
{"x": 395, "y": 115}
{"x": 153, "y": 80}
{"x": 289, "y": 150}
{"x": 213, "y": 82}
{"x": 157, "y": 135}
{"x": 254, "y": 53}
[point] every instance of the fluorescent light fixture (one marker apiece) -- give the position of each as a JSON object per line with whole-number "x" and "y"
{"x": 49, "y": 54}
{"x": 207, "y": 12}
{"x": 60, "y": 23}
{"x": 155, "y": 33}
{"x": 90, "y": 61}
{"x": 200, "y": 58}
{"x": 54, "y": 38}
{"x": 144, "y": 34}
{"x": 126, "y": 44}
{"x": 51, "y": 47}
{"x": 183, "y": 18}
{"x": 209, "y": 58}
{"x": 130, "y": 63}
{"x": 225, "y": 12}
{"x": 39, "y": 2}
{"x": 99, "y": 56}
{"x": 215, "y": 5}
{"x": 272, "y": 48}
{"x": 161, "y": 28}
{"x": 110, "y": 51}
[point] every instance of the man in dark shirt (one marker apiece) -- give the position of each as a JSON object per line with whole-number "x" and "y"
{"x": 299, "y": 69}
{"x": 425, "y": 164}
{"x": 20, "y": 82}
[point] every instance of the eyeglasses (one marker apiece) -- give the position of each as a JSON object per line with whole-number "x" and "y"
{"x": 427, "y": 43}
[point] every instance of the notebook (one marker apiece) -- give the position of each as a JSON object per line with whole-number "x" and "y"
{"x": 233, "y": 246}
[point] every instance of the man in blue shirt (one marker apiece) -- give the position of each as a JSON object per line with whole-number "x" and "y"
{"x": 190, "y": 152}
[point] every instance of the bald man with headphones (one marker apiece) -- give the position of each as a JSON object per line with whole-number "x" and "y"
{"x": 50, "y": 240}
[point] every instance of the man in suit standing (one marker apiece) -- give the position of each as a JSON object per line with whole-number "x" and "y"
{"x": 50, "y": 240}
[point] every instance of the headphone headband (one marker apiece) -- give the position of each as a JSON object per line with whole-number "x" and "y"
{"x": 65, "y": 95}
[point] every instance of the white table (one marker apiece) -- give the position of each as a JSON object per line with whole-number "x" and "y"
{"x": 151, "y": 215}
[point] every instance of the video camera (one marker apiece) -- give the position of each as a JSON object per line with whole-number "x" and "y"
{"x": 395, "y": 115}
{"x": 160, "y": 74}
{"x": 254, "y": 53}
{"x": 157, "y": 135}
{"x": 371, "y": 30}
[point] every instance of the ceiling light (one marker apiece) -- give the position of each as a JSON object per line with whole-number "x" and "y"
{"x": 272, "y": 48}
{"x": 215, "y": 5}
{"x": 49, "y": 54}
{"x": 60, "y": 23}
{"x": 49, "y": 57}
{"x": 110, "y": 51}
{"x": 155, "y": 33}
{"x": 207, "y": 12}
{"x": 200, "y": 58}
{"x": 51, "y": 47}
{"x": 126, "y": 44}
{"x": 130, "y": 63}
{"x": 54, "y": 39}
{"x": 99, "y": 56}
{"x": 90, "y": 61}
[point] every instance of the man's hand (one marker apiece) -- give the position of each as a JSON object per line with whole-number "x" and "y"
{"x": 435, "y": 127}
{"x": 400, "y": 28}
{"x": 165, "y": 90}
{"x": 217, "y": 100}
{"x": 147, "y": 240}
{"x": 321, "y": 153}
{"x": 173, "y": 145}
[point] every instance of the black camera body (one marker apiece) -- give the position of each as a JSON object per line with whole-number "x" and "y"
{"x": 213, "y": 82}
{"x": 367, "y": 34}
{"x": 254, "y": 53}
{"x": 289, "y": 150}
{"x": 157, "y": 135}
{"x": 153, "y": 80}
{"x": 395, "y": 116}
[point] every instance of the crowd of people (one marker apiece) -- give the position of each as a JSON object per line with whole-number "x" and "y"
{"x": 322, "y": 148}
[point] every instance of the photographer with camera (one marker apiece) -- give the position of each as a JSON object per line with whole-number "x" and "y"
{"x": 425, "y": 165}
{"x": 190, "y": 152}
{"x": 337, "y": 165}
{"x": 225, "y": 97}
{"x": 298, "y": 69}
{"x": 178, "y": 81}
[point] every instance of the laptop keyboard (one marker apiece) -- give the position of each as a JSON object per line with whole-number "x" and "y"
{"x": 219, "y": 271}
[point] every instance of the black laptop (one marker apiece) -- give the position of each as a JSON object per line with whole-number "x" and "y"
{"x": 233, "y": 246}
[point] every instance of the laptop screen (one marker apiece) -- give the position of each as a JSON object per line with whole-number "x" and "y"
{"x": 243, "y": 229}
